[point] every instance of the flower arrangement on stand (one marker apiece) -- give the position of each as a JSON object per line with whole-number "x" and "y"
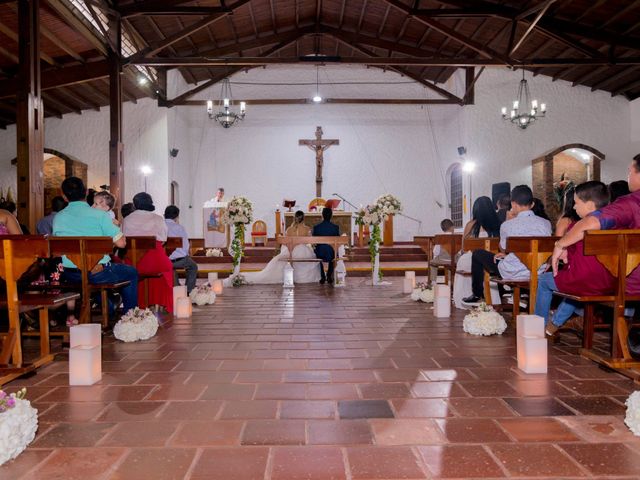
{"x": 213, "y": 252}
{"x": 484, "y": 320}
{"x": 202, "y": 295}
{"x": 18, "y": 424}
{"x": 388, "y": 205}
{"x": 632, "y": 418}
{"x": 136, "y": 324}
{"x": 372, "y": 217}
{"x": 238, "y": 213}
{"x": 423, "y": 292}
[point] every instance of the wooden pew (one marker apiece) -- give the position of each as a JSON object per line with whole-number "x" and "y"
{"x": 452, "y": 244}
{"x": 172, "y": 244}
{"x": 292, "y": 242}
{"x": 17, "y": 254}
{"x": 532, "y": 252}
{"x": 619, "y": 252}
{"x": 136, "y": 248}
{"x": 490, "y": 244}
{"x": 196, "y": 245}
{"x": 85, "y": 253}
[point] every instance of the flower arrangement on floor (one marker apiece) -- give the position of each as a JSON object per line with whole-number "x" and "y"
{"x": 202, "y": 295}
{"x": 632, "y": 419}
{"x": 18, "y": 424}
{"x": 423, "y": 292}
{"x": 213, "y": 252}
{"x": 238, "y": 213}
{"x": 484, "y": 320}
{"x": 238, "y": 281}
{"x": 136, "y": 324}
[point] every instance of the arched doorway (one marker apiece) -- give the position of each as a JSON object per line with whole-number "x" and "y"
{"x": 58, "y": 166}
{"x": 553, "y": 172}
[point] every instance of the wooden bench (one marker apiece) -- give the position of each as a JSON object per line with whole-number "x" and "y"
{"x": 195, "y": 245}
{"x": 17, "y": 254}
{"x": 172, "y": 244}
{"x": 426, "y": 244}
{"x": 619, "y": 252}
{"x": 452, "y": 244}
{"x": 490, "y": 244}
{"x": 136, "y": 248}
{"x": 293, "y": 242}
{"x": 532, "y": 252}
{"x": 85, "y": 253}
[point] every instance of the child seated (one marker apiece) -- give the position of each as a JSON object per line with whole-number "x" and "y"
{"x": 446, "y": 226}
{"x": 582, "y": 274}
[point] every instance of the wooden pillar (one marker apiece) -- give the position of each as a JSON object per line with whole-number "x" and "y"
{"x": 278, "y": 223}
{"x": 116, "y": 150}
{"x": 387, "y": 232}
{"x": 29, "y": 117}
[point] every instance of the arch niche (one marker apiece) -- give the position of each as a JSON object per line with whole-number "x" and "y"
{"x": 575, "y": 161}
{"x": 58, "y": 166}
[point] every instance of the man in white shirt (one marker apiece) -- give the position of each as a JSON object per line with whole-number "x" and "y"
{"x": 524, "y": 224}
{"x": 180, "y": 256}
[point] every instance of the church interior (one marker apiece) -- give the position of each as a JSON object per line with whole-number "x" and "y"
{"x": 469, "y": 310}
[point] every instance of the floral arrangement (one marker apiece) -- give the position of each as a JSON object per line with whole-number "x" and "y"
{"x": 632, "y": 419}
{"x": 484, "y": 320}
{"x": 238, "y": 281}
{"x": 423, "y": 292}
{"x": 136, "y": 324}
{"x": 18, "y": 424}
{"x": 369, "y": 215}
{"x": 239, "y": 210}
{"x": 213, "y": 252}
{"x": 202, "y": 295}
{"x": 388, "y": 205}
{"x": 561, "y": 187}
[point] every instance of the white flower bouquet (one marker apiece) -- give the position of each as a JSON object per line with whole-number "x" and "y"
{"x": 632, "y": 419}
{"x": 213, "y": 252}
{"x": 423, "y": 293}
{"x": 202, "y": 295}
{"x": 388, "y": 205}
{"x": 239, "y": 210}
{"x": 369, "y": 215}
{"x": 484, "y": 320}
{"x": 136, "y": 324}
{"x": 18, "y": 424}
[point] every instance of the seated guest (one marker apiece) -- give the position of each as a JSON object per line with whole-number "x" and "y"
{"x": 617, "y": 189}
{"x": 323, "y": 251}
{"x": 504, "y": 205}
{"x": 582, "y": 274}
{"x": 142, "y": 222}
{"x": 569, "y": 215}
{"x": 78, "y": 219}
{"x": 624, "y": 213}
{"x": 485, "y": 223}
{"x": 10, "y": 207}
{"x": 126, "y": 209}
{"x": 440, "y": 255}
{"x": 180, "y": 256}
{"x": 8, "y": 224}
{"x": 538, "y": 209}
{"x": 509, "y": 267}
{"x": 105, "y": 201}
{"x": 45, "y": 224}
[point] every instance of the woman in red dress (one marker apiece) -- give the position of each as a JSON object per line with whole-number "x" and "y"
{"x": 142, "y": 222}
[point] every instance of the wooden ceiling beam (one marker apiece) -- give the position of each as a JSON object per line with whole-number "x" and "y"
{"x": 78, "y": 25}
{"x": 135, "y": 9}
{"x": 632, "y": 85}
{"x": 305, "y": 101}
{"x": 60, "y": 105}
{"x": 14, "y": 36}
{"x": 612, "y": 78}
{"x": 541, "y": 9}
{"x": 76, "y": 98}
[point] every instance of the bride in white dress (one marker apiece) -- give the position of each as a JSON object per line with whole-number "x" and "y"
{"x": 273, "y": 272}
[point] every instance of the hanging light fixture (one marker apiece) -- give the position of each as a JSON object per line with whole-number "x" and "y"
{"x": 317, "y": 98}
{"x": 226, "y": 117}
{"x": 520, "y": 113}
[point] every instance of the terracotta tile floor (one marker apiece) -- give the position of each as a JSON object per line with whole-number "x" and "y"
{"x": 319, "y": 383}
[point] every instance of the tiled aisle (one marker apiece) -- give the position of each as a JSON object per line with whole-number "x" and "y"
{"x": 322, "y": 383}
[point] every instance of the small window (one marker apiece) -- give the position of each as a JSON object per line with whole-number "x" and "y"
{"x": 456, "y": 195}
{"x": 174, "y": 193}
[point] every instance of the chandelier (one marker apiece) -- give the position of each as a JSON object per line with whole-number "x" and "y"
{"x": 226, "y": 117}
{"x": 520, "y": 113}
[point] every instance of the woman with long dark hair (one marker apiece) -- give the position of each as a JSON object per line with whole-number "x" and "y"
{"x": 569, "y": 215}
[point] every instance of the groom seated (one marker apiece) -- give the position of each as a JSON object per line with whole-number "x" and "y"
{"x": 323, "y": 251}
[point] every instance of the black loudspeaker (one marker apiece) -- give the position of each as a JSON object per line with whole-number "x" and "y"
{"x": 498, "y": 190}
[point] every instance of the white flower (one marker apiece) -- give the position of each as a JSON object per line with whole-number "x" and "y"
{"x": 483, "y": 320}
{"x": 18, "y": 427}
{"x": 213, "y": 252}
{"x": 422, "y": 295}
{"x": 239, "y": 210}
{"x": 136, "y": 325}
{"x": 632, "y": 419}
{"x": 203, "y": 295}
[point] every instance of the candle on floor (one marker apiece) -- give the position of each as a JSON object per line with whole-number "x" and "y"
{"x": 531, "y": 344}
{"x": 442, "y": 301}
{"x": 179, "y": 291}
{"x": 211, "y": 276}
{"x": 183, "y": 308}
{"x": 86, "y": 334}
{"x": 288, "y": 276}
{"x": 217, "y": 286}
{"x": 85, "y": 354}
{"x": 407, "y": 285}
{"x": 412, "y": 276}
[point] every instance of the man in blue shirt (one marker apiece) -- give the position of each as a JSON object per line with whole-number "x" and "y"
{"x": 180, "y": 256}
{"x": 45, "y": 224}
{"x": 325, "y": 252}
{"x": 78, "y": 219}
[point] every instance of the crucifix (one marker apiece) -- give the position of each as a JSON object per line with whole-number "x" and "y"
{"x": 319, "y": 146}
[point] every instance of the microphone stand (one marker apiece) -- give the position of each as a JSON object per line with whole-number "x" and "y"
{"x": 345, "y": 200}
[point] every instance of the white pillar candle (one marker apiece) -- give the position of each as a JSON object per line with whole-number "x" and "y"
{"x": 442, "y": 307}
{"x": 412, "y": 276}
{"x": 88, "y": 334}
{"x": 531, "y": 344}
{"x": 530, "y": 325}
{"x": 443, "y": 290}
{"x": 179, "y": 292}
{"x": 288, "y": 276}
{"x": 183, "y": 308}
{"x": 407, "y": 285}
{"x": 211, "y": 276}
{"x": 85, "y": 364}
{"x": 217, "y": 286}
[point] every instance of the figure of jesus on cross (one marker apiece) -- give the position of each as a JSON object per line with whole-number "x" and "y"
{"x": 319, "y": 146}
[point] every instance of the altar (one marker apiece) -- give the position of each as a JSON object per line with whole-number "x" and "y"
{"x": 340, "y": 218}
